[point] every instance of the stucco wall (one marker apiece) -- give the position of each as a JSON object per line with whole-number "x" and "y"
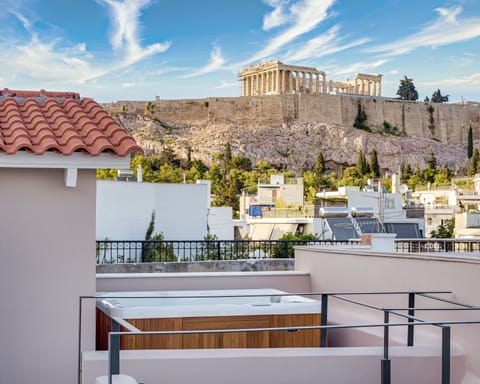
{"x": 288, "y": 281}
{"x": 47, "y": 255}
{"x": 345, "y": 270}
{"x": 124, "y": 210}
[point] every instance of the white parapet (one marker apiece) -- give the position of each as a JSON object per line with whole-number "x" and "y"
{"x": 116, "y": 379}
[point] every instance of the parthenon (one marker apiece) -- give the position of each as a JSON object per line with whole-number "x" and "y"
{"x": 275, "y": 77}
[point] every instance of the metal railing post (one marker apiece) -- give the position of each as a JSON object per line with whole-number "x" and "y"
{"x": 113, "y": 352}
{"x": 411, "y": 312}
{"x": 285, "y": 249}
{"x": 385, "y": 364}
{"x": 445, "y": 354}
{"x": 324, "y": 320}
{"x": 80, "y": 339}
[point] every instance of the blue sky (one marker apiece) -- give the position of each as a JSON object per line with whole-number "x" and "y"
{"x": 138, "y": 49}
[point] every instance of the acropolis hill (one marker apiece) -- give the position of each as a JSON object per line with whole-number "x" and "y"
{"x": 290, "y": 128}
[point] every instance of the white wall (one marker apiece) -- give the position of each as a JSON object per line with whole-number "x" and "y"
{"x": 124, "y": 210}
{"x": 220, "y": 222}
{"x": 392, "y": 204}
{"x": 347, "y": 270}
{"x": 47, "y": 251}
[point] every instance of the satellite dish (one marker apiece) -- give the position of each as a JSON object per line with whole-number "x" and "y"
{"x": 403, "y": 189}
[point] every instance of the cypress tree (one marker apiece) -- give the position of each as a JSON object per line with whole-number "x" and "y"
{"x": 319, "y": 168}
{"x": 470, "y": 143}
{"x": 374, "y": 167}
{"x": 362, "y": 165}
{"x": 432, "y": 161}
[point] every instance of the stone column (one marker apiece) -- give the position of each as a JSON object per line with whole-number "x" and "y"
{"x": 374, "y": 88}
{"x": 324, "y": 83}
{"x": 290, "y": 81}
{"x": 278, "y": 84}
{"x": 310, "y": 83}
{"x": 380, "y": 88}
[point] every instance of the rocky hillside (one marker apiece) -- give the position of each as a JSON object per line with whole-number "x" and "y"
{"x": 294, "y": 144}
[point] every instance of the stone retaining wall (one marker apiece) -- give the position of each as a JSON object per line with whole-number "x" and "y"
{"x": 447, "y": 123}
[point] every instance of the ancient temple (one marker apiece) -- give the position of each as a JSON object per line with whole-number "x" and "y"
{"x": 275, "y": 77}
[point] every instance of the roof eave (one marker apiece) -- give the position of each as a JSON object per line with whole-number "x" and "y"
{"x": 77, "y": 160}
{"x": 70, "y": 164}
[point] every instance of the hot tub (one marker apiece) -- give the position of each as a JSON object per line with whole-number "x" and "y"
{"x": 209, "y": 310}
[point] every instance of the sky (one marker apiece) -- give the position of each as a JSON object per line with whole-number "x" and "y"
{"x": 113, "y": 50}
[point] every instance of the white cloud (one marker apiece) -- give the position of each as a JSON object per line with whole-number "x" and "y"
{"x": 304, "y": 16}
{"x": 216, "y": 62}
{"x": 446, "y": 29}
{"x": 25, "y": 22}
{"x": 56, "y": 62}
{"x": 277, "y": 17}
{"x": 469, "y": 81}
{"x": 225, "y": 84}
{"x": 323, "y": 45}
{"x": 124, "y": 17}
{"x": 48, "y": 62}
{"x": 352, "y": 69}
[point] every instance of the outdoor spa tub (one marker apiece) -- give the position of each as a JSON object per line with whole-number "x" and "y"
{"x": 209, "y": 310}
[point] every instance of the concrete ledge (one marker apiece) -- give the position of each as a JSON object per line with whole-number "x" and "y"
{"x": 288, "y": 281}
{"x": 278, "y": 365}
{"x": 246, "y": 265}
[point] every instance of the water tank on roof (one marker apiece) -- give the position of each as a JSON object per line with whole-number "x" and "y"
{"x": 362, "y": 212}
{"x": 333, "y": 212}
{"x": 125, "y": 173}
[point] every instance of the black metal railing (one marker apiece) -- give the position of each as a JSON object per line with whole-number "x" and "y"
{"x": 437, "y": 245}
{"x": 406, "y": 312}
{"x": 134, "y": 251}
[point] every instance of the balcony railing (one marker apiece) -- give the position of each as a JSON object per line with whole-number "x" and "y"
{"x": 437, "y": 245}
{"x": 137, "y": 251}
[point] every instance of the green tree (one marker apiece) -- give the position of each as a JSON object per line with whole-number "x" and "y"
{"x": 106, "y": 174}
{"x": 470, "y": 143}
{"x": 360, "y": 119}
{"x": 374, "y": 166}
{"x": 407, "y": 172}
{"x": 352, "y": 177}
{"x": 437, "y": 97}
{"x": 319, "y": 169}
{"x": 153, "y": 251}
{"x": 444, "y": 230}
{"x": 240, "y": 162}
{"x": 149, "y": 108}
{"x": 290, "y": 238}
{"x": 432, "y": 161}
{"x": 362, "y": 164}
{"x": 474, "y": 162}
{"x": 443, "y": 177}
{"x": 428, "y": 174}
{"x": 407, "y": 90}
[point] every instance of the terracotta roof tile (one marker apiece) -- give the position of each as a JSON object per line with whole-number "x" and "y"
{"x": 40, "y": 121}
